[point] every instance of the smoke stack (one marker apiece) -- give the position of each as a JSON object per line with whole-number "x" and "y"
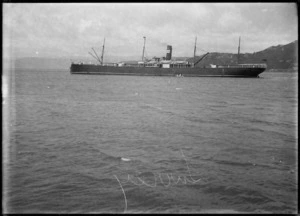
{"x": 169, "y": 52}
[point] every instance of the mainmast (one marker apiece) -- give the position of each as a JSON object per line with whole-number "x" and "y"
{"x": 144, "y": 48}
{"x": 102, "y": 52}
{"x": 238, "y": 60}
{"x": 195, "y": 51}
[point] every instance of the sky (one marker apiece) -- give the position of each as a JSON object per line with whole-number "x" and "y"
{"x": 72, "y": 29}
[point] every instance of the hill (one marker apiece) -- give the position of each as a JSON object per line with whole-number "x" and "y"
{"x": 277, "y": 57}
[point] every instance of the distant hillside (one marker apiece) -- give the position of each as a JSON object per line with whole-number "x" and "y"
{"x": 60, "y": 63}
{"x": 277, "y": 57}
{"x": 42, "y": 63}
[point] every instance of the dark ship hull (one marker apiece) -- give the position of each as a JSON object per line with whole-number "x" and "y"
{"x": 167, "y": 67}
{"x": 221, "y": 71}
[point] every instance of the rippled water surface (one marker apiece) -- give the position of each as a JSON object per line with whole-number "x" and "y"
{"x": 81, "y": 143}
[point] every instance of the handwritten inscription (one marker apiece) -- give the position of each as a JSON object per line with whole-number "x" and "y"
{"x": 170, "y": 181}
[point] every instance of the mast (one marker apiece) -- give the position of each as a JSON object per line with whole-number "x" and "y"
{"x": 195, "y": 50}
{"x": 144, "y": 48}
{"x": 102, "y": 52}
{"x": 238, "y": 60}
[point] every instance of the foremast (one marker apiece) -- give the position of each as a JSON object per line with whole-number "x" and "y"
{"x": 102, "y": 52}
{"x": 143, "y": 49}
{"x": 195, "y": 47}
{"x": 238, "y": 57}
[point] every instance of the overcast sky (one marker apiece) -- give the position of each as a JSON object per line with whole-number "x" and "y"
{"x": 68, "y": 30}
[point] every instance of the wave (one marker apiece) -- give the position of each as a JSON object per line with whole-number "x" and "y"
{"x": 238, "y": 194}
{"x": 245, "y": 164}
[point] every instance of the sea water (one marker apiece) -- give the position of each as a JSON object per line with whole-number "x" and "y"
{"x": 114, "y": 144}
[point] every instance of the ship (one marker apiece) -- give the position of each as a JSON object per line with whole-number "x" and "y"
{"x": 165, "y": 66}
